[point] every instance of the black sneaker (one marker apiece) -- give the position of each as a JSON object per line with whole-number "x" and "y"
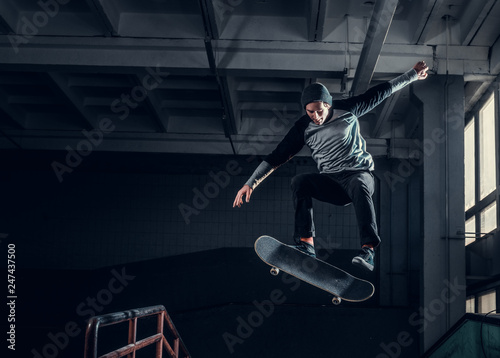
{"x": 306, "y": 248}
{"x": 365, "y": 258}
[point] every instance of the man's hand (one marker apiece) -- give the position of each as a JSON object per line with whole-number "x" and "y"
{"x": 421, "y": 69}
{"x": 244, "y": 191}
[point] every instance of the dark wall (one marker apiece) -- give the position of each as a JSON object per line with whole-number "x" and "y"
{"x": 117, "y": 208}
{"x": 118, "y": 215}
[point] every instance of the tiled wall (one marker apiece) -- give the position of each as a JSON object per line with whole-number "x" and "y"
{"x": 101, "y": 217}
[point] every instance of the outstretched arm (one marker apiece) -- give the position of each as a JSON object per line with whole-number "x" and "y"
{"x": 288, "y": 147}
{"x": 261, "y": 173}
{"x": 359, "y": 105}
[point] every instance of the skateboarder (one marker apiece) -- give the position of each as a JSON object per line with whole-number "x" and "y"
{"x": 330, "y": 129}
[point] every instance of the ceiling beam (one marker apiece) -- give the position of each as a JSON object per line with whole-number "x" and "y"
{"x": 473, "y": 91}
{"x": 476, "y": 91}
{"x": 4, "y": 26}
{"x": 211, "y": 17}
{"x": 495, "y": 58}
{"x": 60, "y": 85}
{"x": 316, "y": 18}
{"x": 218, "y": 14}
{"x": 378, "y": 28}
{"x": 98, "y": 81}
{"x": 225, "y": 90}
{"x": 16, "y": 117}
{"x": 421, "y": 13}
{"x": 473, "y": 16}
{"x": 281, "y": 59}
{"x": 106, "y": 54}
{"x": 385, "y": 113}
{"x": 108, "y": 16}
{"x": 461, "y": 60}
{"x": 229, "y": 105}
{"x": 164, "y": 142}
{"x": 153, "y": 103}
{"x": 234, "y": 58}
{"x": 8, "y": 17}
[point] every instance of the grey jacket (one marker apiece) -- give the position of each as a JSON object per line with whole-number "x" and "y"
{"x": 337, "y": 144}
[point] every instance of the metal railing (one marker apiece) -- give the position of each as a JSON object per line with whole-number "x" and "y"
{"x": 91, "y": 335}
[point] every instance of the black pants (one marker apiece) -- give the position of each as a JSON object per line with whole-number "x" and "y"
{"x": 354, "y": 187}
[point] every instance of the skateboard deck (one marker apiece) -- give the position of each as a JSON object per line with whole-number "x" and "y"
{"x": 341, "y": 284}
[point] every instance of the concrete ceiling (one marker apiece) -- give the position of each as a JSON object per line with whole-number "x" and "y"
{"x": 221, "y": 76}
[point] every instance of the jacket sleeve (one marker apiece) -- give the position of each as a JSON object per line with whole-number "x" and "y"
{"x": 291, "y": 144}
{"x": 364, "y": 103}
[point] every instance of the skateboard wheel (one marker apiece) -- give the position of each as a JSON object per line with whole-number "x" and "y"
{"x": 275, "y": 271}
{"x": 336, "y": 300}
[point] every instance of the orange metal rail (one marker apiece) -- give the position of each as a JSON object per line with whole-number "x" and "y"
{"x": 133, "y": 345}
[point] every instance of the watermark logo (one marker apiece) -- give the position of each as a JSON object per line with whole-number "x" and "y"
{"x": 254, "y": 320}
{"x": 212, "y": 189}
{"x": 31, "y": 27}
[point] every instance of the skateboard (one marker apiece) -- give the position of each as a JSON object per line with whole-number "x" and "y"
{"x": 342, "y": 285}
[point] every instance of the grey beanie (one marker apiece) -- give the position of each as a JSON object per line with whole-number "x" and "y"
{"x": 315, "y": 92}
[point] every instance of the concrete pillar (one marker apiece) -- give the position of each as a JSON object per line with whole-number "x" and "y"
{"x": 399, "y": 215}
{"x": 442, "y": 297}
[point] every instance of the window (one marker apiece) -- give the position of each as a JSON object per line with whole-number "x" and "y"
{"x": 480, "y": 165}
{"x": 489, "y": 218}
{"x": 487, "y": 302}
{"x": 470, "y": 305}
{"x": 487, "y": 160}
{"x": 470, "y": 171}
{"x": 470, "y": 229}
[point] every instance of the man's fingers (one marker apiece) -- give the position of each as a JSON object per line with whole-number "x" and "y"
{"x": 245, "y": 191}
{"x": 421, "y": 65}
{"x": 237, "y": 201}
{"x": 421, "y": 68}
{"x": 423, "y": 74}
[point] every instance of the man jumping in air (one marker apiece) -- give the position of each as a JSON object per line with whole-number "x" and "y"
{"x": 330, "y": 129}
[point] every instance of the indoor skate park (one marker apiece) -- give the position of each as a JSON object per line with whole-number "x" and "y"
{"x": 127, "y": 128}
